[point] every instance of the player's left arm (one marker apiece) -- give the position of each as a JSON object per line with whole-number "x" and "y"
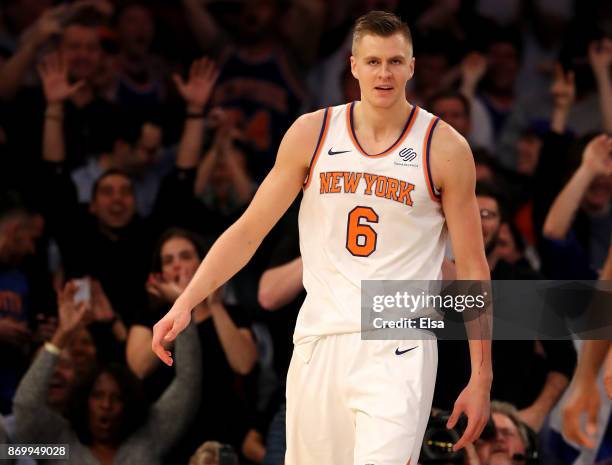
{"x": 454, "y": 174}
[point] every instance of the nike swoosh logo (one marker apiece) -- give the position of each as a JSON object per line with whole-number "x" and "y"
{"x": 400, "y": 352}
{"x": 331, "y": 152}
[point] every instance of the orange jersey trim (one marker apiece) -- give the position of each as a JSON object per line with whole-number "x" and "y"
{"x": 351, "y": 130}
{"x": 317, "y": 150}
{"x": 426, "y": 167}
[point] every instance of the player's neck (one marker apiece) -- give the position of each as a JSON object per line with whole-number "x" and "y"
{"x": 380, "y": 122}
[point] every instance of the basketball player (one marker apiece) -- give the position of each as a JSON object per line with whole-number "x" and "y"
{"x": 383, "y": 180}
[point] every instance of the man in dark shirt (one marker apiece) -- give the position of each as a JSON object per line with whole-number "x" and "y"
{"x": 532, "y": 375}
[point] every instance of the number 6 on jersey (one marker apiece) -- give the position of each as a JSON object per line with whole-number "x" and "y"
{"x": 361, "y": 238}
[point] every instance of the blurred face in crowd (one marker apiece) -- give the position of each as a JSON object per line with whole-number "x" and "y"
{"x": 62, "y": 381}
{"x": 136, "y": 29}
{"x": 80, "y": 48}
{"x": 105, "y": 409}
{"x": 135, "y": 159}
{"x": 383, "y": 66}
{"x": 507, "y": 442}
{"x": 503, "y": 67}
{"x": 490, "y": 219}
{"x": 432, "y": 67}
{"x": 453, "y": 112}
{"x": 113, "y": 203}
{"x": 18, "y": 235}
{"x": 179, "y": 259}
{"x": 597, "y": 197}
{"x": 83, "y": 353}
{"x": 506, "y": 248}
{"x": 528, "y": 154}
{"x": 257, "y": 19}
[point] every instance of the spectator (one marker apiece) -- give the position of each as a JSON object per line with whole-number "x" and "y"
{"x": 258, "y": 80}
{"x": 228, "y": 347}
{"x": 511, "y": 443}
{"x": 223, "y": 183}
{"x": 134, "y": 146}
{"x": 589, "y": 113}
{"x": 110, "y": 422}
{"x": 587, "y": 192}
{"x": 497, "y": 91}
{"x": 17, "y": 240}
{"x": 141, "y": 75}
{"x": 85, "y": 113}
{"x": 537, "y": 384}
{"x": 111, "y": 232}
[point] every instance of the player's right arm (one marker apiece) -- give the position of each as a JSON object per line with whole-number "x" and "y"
{"x": 235, "y": 247}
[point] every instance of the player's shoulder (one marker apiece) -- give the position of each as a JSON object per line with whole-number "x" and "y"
{"x": 451, "y": 155}
{"x": 446, "y": 141}
{"x": 306, "y": 129}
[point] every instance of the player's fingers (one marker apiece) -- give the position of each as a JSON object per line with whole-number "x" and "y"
{"x": 469, "y": 435}
{"x": 571, "y": 427}
{"x": 592, "y": 415}
{"x": 158, "y": 333}
{"x": 452, "y": 420}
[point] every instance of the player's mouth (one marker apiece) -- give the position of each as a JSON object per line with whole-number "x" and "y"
{"x": 384, "y": 88}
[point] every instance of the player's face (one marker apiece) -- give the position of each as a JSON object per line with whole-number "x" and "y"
{"x": 383, "y": 66}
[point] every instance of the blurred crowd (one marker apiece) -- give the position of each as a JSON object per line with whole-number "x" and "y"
{"x": 133, "y": 132}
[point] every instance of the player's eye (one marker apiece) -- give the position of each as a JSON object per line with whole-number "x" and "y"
{"x": 372, "y": 62}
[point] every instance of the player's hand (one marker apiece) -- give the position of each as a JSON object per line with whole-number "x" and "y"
{"x": 168, "y": 328}
{"x": 475, "y": 402}
{"x": 196, "y": 91}
{"x": 583, "y": 399}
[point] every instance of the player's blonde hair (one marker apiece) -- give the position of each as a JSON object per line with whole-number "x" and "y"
{"x": 380, "y": 23}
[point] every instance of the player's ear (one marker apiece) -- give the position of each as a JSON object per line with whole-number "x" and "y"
{"x": 411, "y": 68}
{"x": 354, "y": 67}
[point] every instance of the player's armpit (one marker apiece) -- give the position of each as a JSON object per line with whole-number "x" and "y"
{"x": 453, "y": 172}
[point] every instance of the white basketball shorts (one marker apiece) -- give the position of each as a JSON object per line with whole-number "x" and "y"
{"x": 354, "y": 402}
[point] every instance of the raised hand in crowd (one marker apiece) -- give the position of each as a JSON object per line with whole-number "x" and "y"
{"x": 54, "y": 75}
{"x": 563, "y": 92}
{"x": 596, "y": 161}
{"x": 197, "y": 90}
{"x": 102, "y": 311}
{"x": 600, "y": 58}
{"x": 473, "y": 67}
{"x": 71, "y": 314}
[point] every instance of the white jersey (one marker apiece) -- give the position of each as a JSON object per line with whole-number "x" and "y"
{"x": 365, "y": 217}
